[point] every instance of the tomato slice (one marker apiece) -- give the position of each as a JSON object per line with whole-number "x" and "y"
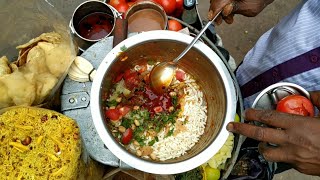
{"x": 127, "y": 136}
{"x": 296, "y": 104}
{"x": 124, "y": 110}
{"x": 158, "y": 109}
{"x": 118, "y": 78}
{"x": 143, "y": 68}
{"x": 180, "y": 75}
{"x": 127, "y": 73}
{"x": 131, "y": 80}
{"x": 113, "y": 114}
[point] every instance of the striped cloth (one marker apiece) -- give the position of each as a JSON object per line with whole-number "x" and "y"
{"x": 289, "y": 52}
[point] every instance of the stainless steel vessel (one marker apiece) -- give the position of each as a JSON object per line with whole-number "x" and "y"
{"x": 201, "y": 62}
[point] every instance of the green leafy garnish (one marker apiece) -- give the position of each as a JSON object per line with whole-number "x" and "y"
{"x": 151, "y": 62}
{"x": 126, "y": 122}
{"x": 112, "y": 103}
{"x": 152, "y": 142}
{"x": 195, "y": 174}
{"x": 170, "y": 133}
{"x": 175, "y": 101}
{"x": 123, "y": 48}
{"x": 140, "y": 140}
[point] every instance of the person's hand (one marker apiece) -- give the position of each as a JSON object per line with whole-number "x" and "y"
{"x": 247, "y": 8}
{"x": 297, "y": 137}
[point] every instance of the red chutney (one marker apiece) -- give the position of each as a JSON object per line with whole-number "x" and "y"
{"x": 153, "y": 100}
{"x": 95, "y": 26}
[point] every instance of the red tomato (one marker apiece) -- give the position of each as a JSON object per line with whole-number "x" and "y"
{"x": 113, "y": 114}
{"x": 168, "y": 5}
{"x": 179, "y": 4}
{"x": 180, "y": 75}
{"x": 122, "y": 7}
{"x": 114, "y": 3}
{"x": 177, "y": 13}
{"x": 124, "y": 110}
{"x": 118, "y": 78}
{"x": 130, "y": 4}
{"x": 127, "y": 136}
{"x": 174, "y": 25}
{"x": 155, "y": 1}
{"x": 296, "y": 104}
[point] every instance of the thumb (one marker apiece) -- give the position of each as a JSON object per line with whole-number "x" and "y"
{"x": 315, "y": 98}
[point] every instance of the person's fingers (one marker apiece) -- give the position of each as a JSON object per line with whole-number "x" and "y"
{"x": 275, "y": 153}
{"x": 227, "y": 10}
{"x": 219, "y": 20}
{"x": 217, "y": 6}
{"x": 210, "y": 15}
{"x": 271, "y": 135}
{"x": 273, "y": 118}
{"x": 228, "y": 19}
{"x": 315, "y": 98}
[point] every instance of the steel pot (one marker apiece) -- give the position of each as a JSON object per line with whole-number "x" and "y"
{"x": 201, "y": 62}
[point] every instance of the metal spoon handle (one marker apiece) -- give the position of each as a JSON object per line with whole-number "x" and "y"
{"x": 195, "y": 39}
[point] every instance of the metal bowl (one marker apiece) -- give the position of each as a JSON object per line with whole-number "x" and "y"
{"x": 201, "y": 62}
{"x": 147, "y": 5}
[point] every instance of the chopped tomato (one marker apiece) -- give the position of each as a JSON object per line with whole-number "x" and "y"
{"x": 127, "y": 73}
{"x": 296, "y": 104}
{"x": 118, "y": 78}
{"x": 127, "y": 136}
{"x": 142, "y": 69}
{"x": 113, "y": 114}
{"x": 180, "y": 75}
{"x": 131, "y": 80}
{"x": 124, "y": 110}
{"x": 146, "y": 78}
{"x": 158, "y": 109}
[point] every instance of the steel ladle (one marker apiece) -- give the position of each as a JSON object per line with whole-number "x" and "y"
{"x": 162, "y": 74}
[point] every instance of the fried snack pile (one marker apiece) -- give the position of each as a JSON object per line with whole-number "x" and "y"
{"x": 40, "y": 65}
{"x": 40, "y": 144}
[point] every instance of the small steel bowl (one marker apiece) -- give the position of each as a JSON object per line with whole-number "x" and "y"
{"x": 84, "y": 9}
{"x": 143, "y": 5}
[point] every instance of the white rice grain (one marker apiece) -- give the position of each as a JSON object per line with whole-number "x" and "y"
{"x": 195, "y": 112}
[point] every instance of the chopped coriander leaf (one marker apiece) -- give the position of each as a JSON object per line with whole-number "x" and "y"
{"x": 151, "y": 143}
{"x": 156, "y": 138}
{"x": 170, "y": 133}
{"x": 151, "y": 62}
{"x": 175, "y": 101}
{"x": 123, "y": 48}
{"x": 140, "y": 140}
{"x": 112, "y": 103}
{"x": 157, "y": 129}
{"x": 126, "y": 122}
